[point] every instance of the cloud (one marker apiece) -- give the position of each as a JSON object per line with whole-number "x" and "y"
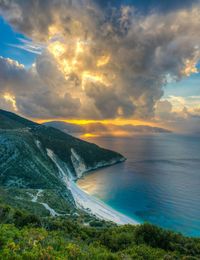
{"x": 181, "y": 114}
{"x": 99, "y": 63}
{"x": 163, "y": 110}
{"x": 29, "y": 46}
{"x": 148, "y": 6}
{"x": 33, "y": 97}
{"x": 192, "y": 103}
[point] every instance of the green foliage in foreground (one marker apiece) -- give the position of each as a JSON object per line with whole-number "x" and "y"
{"x": 30, "y": 237}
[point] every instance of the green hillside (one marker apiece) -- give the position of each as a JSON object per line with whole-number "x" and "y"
{"x": 10, "y": 120}
{"x": 39, "y": 218}
{"x": 25, "y": 166}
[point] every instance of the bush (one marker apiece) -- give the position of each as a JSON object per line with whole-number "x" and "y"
{"x": 61, "y": 238}
{"x": 159, "y": 238}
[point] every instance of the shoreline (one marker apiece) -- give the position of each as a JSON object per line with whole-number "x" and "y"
{"x": 97, "y": 207}
{"x": 89, "y": 203}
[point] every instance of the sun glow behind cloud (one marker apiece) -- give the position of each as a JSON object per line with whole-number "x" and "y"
{"x": 190, "y": 67}
{"x": 90, "y": 135}
{"x": 103, "y": 60}
{"x": 104, "y": 128}
{"x": 11, "y": 99}
{"x": 76, "y": 60}
{"x": 71, "y": 61}
{"x": 116, "y": 121}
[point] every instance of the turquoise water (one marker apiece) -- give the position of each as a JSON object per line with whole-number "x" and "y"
{"x": 159, "y": 183}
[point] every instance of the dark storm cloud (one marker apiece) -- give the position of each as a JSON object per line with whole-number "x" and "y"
{"x": 33, "y": 97}
{"x": 30, "y": 17}
{"x": 146, "y": 6}
{"x": 142, "y": 52}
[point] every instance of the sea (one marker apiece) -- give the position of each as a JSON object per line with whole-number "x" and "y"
{"x": 159, "y": 182}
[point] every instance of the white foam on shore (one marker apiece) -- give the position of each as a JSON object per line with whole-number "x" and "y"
{"x": 89, "y": 203}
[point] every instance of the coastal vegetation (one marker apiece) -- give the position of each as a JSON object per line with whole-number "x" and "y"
{"x": 26, "y": 236}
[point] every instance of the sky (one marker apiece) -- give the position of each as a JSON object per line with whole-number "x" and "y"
{"x": 114, "y": 63}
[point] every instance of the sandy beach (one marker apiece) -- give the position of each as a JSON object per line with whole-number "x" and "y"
{"x": 89, "y": 203}
{"x": 97, "y": 207}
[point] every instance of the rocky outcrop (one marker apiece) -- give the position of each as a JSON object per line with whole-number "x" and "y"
{"x": 81, "y": 167}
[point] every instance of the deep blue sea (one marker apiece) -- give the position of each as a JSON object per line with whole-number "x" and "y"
{"x": 159, "y": 183}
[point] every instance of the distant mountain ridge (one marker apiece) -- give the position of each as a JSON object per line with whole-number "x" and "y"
{"x": 105, "y": 130}
{"x": 66, "y": 127}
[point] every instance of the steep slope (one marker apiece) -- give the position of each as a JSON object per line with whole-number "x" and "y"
{"x": 28, "y": 172}
{"x": 80, "y": 156}
{"x": 10, "y": 120}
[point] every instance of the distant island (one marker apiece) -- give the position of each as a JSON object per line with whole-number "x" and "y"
{"x": 105, "y": 130}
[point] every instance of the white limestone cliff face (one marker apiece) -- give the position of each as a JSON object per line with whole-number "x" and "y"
{"x": 80, "y": 166}
{"x": 78, "y": 163}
